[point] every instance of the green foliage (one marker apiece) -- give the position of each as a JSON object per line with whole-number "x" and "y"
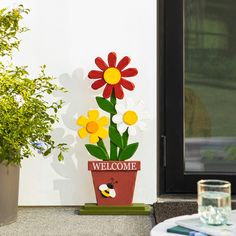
{"x": 119, "y": 148}
{"x": 9, "y": 28}
{"x": 27, "y": 117}
{"x": 97, "y": 151}
{"x": 231, "y": 152}
{"x": 209, "y": 154}
{"x": 106, "y": 105}
{"x": 212, "y": 64}
{"x": 60, "y": 157}
{"x": 102, "y": 145}
{"x": 125, "y": 138}
{"x": 128, "y": 152}
{"x": 115, "y": 137}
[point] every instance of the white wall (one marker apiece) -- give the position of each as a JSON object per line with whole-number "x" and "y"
{"x": 67, "y": 35}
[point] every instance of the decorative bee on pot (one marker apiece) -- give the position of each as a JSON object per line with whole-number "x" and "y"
{"x": 107, "y": 190}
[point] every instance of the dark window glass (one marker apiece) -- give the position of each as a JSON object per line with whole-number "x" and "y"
{"x": 210, "y": 85}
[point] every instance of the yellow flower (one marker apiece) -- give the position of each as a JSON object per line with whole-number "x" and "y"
{"x": 93, "y": 125}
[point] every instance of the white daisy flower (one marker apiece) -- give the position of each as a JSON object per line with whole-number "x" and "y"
{"x": 130, "y": 115}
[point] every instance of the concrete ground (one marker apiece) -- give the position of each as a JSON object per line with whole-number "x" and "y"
{"x": 65, "y": 221}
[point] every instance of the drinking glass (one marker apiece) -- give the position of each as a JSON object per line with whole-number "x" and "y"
{"x": 214, "y": 201}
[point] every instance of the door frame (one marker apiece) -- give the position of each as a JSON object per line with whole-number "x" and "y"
{"x": 172, "y": 178}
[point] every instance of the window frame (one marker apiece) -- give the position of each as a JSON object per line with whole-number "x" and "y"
{"x": 172, "y": 177}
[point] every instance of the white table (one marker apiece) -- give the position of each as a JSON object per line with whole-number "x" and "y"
{"x": 160, "y": 229}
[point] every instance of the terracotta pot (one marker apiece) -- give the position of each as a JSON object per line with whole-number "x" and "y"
{"x": 114, "y": 181}
{"x": 9, "y": 185}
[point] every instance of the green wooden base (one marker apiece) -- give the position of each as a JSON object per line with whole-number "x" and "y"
{"x": 134, "y": 209}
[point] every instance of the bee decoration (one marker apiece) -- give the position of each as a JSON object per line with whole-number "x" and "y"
{"x": 107, "y": 190}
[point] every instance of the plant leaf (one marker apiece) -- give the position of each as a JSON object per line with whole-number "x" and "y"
{"x": 47, "y": 152}
{"x": 96, "y": 151}
{"x": 60, "y": 157}
{"x": 115, "y": 137}
{"x": 125, "y": 138}
{"x": 128, "y": 152}
{"x": 106, "y": 105}
{"x": 101, "y": 144}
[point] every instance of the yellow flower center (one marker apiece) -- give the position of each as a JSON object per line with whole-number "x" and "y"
{"x": 92, "y": 127}
{"x": 112, "y": 76}
{"x": 130, "y": 117}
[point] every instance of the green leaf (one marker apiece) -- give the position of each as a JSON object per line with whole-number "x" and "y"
{"x": 128, "y": 152}
{"x": 106, "y": 105}
{"x": 60, "y": 157}
{"x": 47, "y": 152}
{"x": 96, "y": 151}
{"x": 125, "y": 138}
{"x": 101, "y": 144}
{"x": 115, "y": 137}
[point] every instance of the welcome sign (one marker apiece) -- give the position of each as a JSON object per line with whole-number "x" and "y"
{"x": 114, "y": 165}
{"x": 113, "y": 175}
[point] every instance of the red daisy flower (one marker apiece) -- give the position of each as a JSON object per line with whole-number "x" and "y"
{"x": 112, "y": 76}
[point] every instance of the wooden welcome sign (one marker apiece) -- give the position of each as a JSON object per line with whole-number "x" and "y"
{"x": 114, "y": 165}
{"x": 113, "y": 176}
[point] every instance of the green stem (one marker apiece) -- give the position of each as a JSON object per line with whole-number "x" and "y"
{"x": 101, "y": 144}
{"x": 113, "y": 147}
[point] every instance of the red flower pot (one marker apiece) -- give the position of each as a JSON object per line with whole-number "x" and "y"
{"x": 114, "y": 181}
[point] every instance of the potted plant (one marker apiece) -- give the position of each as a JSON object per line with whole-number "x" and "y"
{"x": 27, "y": 116}
{"x": 113, "y": 177}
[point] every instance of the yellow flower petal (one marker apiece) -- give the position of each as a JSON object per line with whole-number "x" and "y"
{"x": 82, "y": 121}
{"x": 103, "y": 121}
{"x": 82, "y": 133}
{"x": 93, "y": 138}
{"x": 102, "y": 133}
{"x": 93, "y": 114}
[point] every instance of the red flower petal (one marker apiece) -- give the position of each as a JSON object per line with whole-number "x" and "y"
{"x": 100, "y": 63}
{"x": 123, "y": 63}
{"x": 127, "y": 84}
{"x": 98, "y": 84}
{"x": 112, "y": 59}
{"x": 107, "y": 91}
{"x": 95, "y": 74}
{"x": 119, "y": 91}
{"x": 129, "y": 72}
